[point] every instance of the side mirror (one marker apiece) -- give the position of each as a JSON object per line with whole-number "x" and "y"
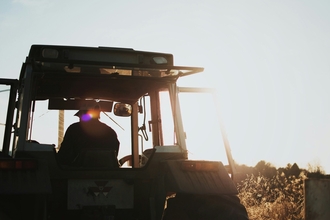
{"x": 122, "y": 109}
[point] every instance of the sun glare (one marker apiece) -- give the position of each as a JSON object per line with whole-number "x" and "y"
{"x": 86, "y": 117}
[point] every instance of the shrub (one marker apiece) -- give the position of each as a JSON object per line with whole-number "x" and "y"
{"x": 277, "y": 197}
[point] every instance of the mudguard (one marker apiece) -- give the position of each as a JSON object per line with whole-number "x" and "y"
{"x": 213, "y": 179}
{"x": 26, "y": 181}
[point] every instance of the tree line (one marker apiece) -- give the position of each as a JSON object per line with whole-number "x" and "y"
{"x": 268, "y": 170}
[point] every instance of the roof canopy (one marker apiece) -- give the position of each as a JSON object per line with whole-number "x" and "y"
{"x": 117, "y": 74}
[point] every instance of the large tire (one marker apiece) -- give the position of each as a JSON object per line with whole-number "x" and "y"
{"x": 204, "y": 207}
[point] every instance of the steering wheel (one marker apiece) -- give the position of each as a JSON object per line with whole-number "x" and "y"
{"x": 125, "y": 159}
{"x": 129, "y": 159}
{"x": 142, "y": 158}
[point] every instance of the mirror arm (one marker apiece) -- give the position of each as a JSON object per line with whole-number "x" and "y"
{"x": 114, "y": 121}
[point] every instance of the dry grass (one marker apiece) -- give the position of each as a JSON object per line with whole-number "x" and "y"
{"x": 279, "y": 197}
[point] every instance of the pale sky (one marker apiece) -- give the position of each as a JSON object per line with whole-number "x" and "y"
{"x": 268, "y": 60}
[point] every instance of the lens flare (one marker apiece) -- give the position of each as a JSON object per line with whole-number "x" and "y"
{"x": 86, "y": 117}
{"x": 89, "y": 115}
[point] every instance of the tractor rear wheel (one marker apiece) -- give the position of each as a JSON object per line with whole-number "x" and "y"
{"x": 205, "y": 207}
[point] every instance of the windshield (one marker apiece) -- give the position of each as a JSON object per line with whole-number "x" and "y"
{"x": 4, "y": 98}
{"x": 202, "y": 127}
{"x": 46, "y": 126}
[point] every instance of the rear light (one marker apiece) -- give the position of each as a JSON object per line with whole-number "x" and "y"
{"x": 199, "y": 166}
{"x": 18, "y": 164}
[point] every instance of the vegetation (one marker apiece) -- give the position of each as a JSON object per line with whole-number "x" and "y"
{"x": 270, "y": 193}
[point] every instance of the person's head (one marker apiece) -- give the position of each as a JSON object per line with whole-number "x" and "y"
{"x": 86, "y": 114}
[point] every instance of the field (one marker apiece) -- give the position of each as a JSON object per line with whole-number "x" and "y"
{"x": 270, "y": 193}
{"x": 278, "y": 197}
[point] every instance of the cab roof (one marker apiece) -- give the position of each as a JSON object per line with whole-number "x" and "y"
{"x": 107, "y": 60}
{"x": 118, "y": 74}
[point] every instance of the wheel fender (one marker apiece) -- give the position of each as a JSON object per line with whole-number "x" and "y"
{"x": 215, "y": 181}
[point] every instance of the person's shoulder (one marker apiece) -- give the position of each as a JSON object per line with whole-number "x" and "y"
{"x": 74, "y": 125}
{"x": 106, "y": 126}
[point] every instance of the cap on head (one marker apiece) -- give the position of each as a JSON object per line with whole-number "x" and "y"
{"x": 80, "y": 112}
{"x": 87, "y": 113}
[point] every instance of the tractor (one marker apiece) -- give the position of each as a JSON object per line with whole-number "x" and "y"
{"x": 155, "y": 177}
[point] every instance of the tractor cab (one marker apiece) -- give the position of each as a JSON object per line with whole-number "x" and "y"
{"x": 118, "y": 80}
{"x": 136, "y": 94}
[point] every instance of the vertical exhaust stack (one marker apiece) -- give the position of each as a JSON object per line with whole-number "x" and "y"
{"x": 60, "y": 128}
